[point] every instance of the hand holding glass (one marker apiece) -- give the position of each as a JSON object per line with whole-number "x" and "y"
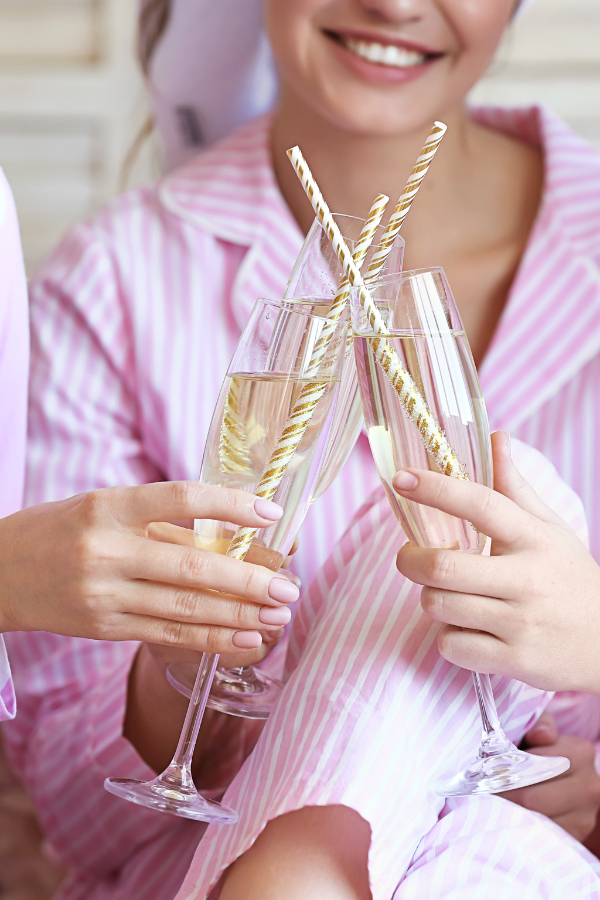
{"x": 268, "y": 371}
{"x": 428, "y": 338}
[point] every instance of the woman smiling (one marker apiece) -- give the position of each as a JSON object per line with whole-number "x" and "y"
{"x": 146, "y": 302}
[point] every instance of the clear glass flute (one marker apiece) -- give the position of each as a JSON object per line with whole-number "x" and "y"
{"x": 427, "y": 335}
{"x": 317, "y": 273}
{"x": 246, "y": 691}
{"x": 268, "y": 370}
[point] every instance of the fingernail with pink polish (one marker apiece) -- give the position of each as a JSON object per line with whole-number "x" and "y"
{"x": 405, "y": 481}
{"x": 266, "y": 509}
{"x": 269, "y": 616}
{"x": 246, "y": 640}
{"x": 283, "y": 590}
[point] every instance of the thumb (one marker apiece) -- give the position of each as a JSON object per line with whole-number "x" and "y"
{"x": 544, "y": 732}
{"x": 509, "y": 481}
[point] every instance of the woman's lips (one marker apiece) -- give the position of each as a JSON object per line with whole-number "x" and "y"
{"x": 379, "y": 62}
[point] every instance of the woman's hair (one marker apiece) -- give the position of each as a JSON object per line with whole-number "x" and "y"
{"x": 154, "y": 18}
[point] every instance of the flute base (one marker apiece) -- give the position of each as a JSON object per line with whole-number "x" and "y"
{"x": 511, "y": 768}
{"x": 168, "y": 796}
{"x": 244, "y": 692}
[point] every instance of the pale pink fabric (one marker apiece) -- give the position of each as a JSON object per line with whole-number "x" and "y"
{"x": 135, "y": 318}
{"x": 372, "y": 715}
{"x": 14, "y": 362}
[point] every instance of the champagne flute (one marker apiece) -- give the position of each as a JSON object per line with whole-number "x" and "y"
{"x": 426, "y": 333}
{"x": 317, "y": 273}
{"x": 246, "y": 691}
{"x": 269, "y": 368}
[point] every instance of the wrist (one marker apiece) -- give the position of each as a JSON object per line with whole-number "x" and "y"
{"x": 9, "y": 587}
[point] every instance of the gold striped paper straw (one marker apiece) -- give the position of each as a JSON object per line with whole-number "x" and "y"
{"x": 404, "y": 203}
{"x": 233, "y": 450}
{"x": 311, "y": 393}
{"x": 433, "y": 437}
{"x": 402, "y": 209}
{"x": 234, "y": 455}
{"x": 365, "y": 240}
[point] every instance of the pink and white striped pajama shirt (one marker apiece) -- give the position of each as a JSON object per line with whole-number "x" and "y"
{"x": 135, "y": 318}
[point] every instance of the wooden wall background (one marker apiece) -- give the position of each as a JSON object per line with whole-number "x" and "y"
{"x": 71, "y": 99}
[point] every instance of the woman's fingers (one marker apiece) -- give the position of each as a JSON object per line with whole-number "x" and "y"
{"x": 475, "y": 650}
{"x": 190, "y": 567}
{"x": 195, "y": 607}
{"x": 469, "y": 611}
{"x": 490, "y": 512}
{"x": 202, "y": 638}
{"x": 464, "y": 572}
{"x": 543, "y": 733}
{"x": 171, "y": 534}
{"x": 509, "y": 481}
{"x": 176, "y": 500}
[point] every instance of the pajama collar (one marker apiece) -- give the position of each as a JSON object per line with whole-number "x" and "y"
{"x": 550, "y": 326}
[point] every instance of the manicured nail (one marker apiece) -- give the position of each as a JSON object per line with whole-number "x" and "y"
{"x": 507, "y": 445}
{"x": 246, "y": 640}
{"x": 283, "y": 590}
{"x": 270, "y": 616}
{"x": 266, "y": 509}
{"x": 405, "y": 481}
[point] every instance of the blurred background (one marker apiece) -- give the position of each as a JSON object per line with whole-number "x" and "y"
{"x": 72, "y": 99}
{"x": 72, "y": 102}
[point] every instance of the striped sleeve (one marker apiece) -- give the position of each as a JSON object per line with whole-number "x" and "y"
{"x": 67, "y": 738}
{"x": 84, "y": 429}
{"x": 83, "y": 433}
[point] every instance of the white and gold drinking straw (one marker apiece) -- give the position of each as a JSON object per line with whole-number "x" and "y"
{"x": 432, "y": 435}
{"x": 365, "y": 240}
{"x": 234, "y": 455}
{"x": 404, "y": 203}
{"x": 402, "y": 209}
{"x": 311, "y": 394}
{"x": 233, "y": 450}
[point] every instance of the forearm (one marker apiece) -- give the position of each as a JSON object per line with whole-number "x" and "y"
{"x": 154, "y": 718}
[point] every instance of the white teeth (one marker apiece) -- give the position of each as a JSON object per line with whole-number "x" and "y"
{"x": 385, "y": 54}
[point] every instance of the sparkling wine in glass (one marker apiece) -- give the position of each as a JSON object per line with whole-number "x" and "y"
{"x": 426, "y": 334}
{"x": 246, "y": 691}
{"x": 317, "y": 273}
{"x": 269, "y": 368}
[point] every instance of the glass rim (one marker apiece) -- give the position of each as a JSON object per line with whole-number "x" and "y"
{"x": 290, "y": 304}
{"x": 406, "y": 273}
{"x": 317, "y": 221}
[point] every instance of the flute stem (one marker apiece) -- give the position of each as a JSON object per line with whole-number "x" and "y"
{"x": 179, "y": 772}
{"x": 493, "y": 739}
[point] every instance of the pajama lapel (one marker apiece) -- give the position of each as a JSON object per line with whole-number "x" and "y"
{"x": 231, "y": 192}
{"x": 550, "y": 327}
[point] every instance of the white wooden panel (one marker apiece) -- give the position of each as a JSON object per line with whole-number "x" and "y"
{"x": 43, "y": 31}
{"x": 71, "y": 102}
{"x": 56, "y": 172}
{"x": 551, "y": 55}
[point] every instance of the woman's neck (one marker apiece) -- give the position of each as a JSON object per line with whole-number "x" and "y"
{"x": 352, "y": 169}
{"x": 473, "y": 214}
